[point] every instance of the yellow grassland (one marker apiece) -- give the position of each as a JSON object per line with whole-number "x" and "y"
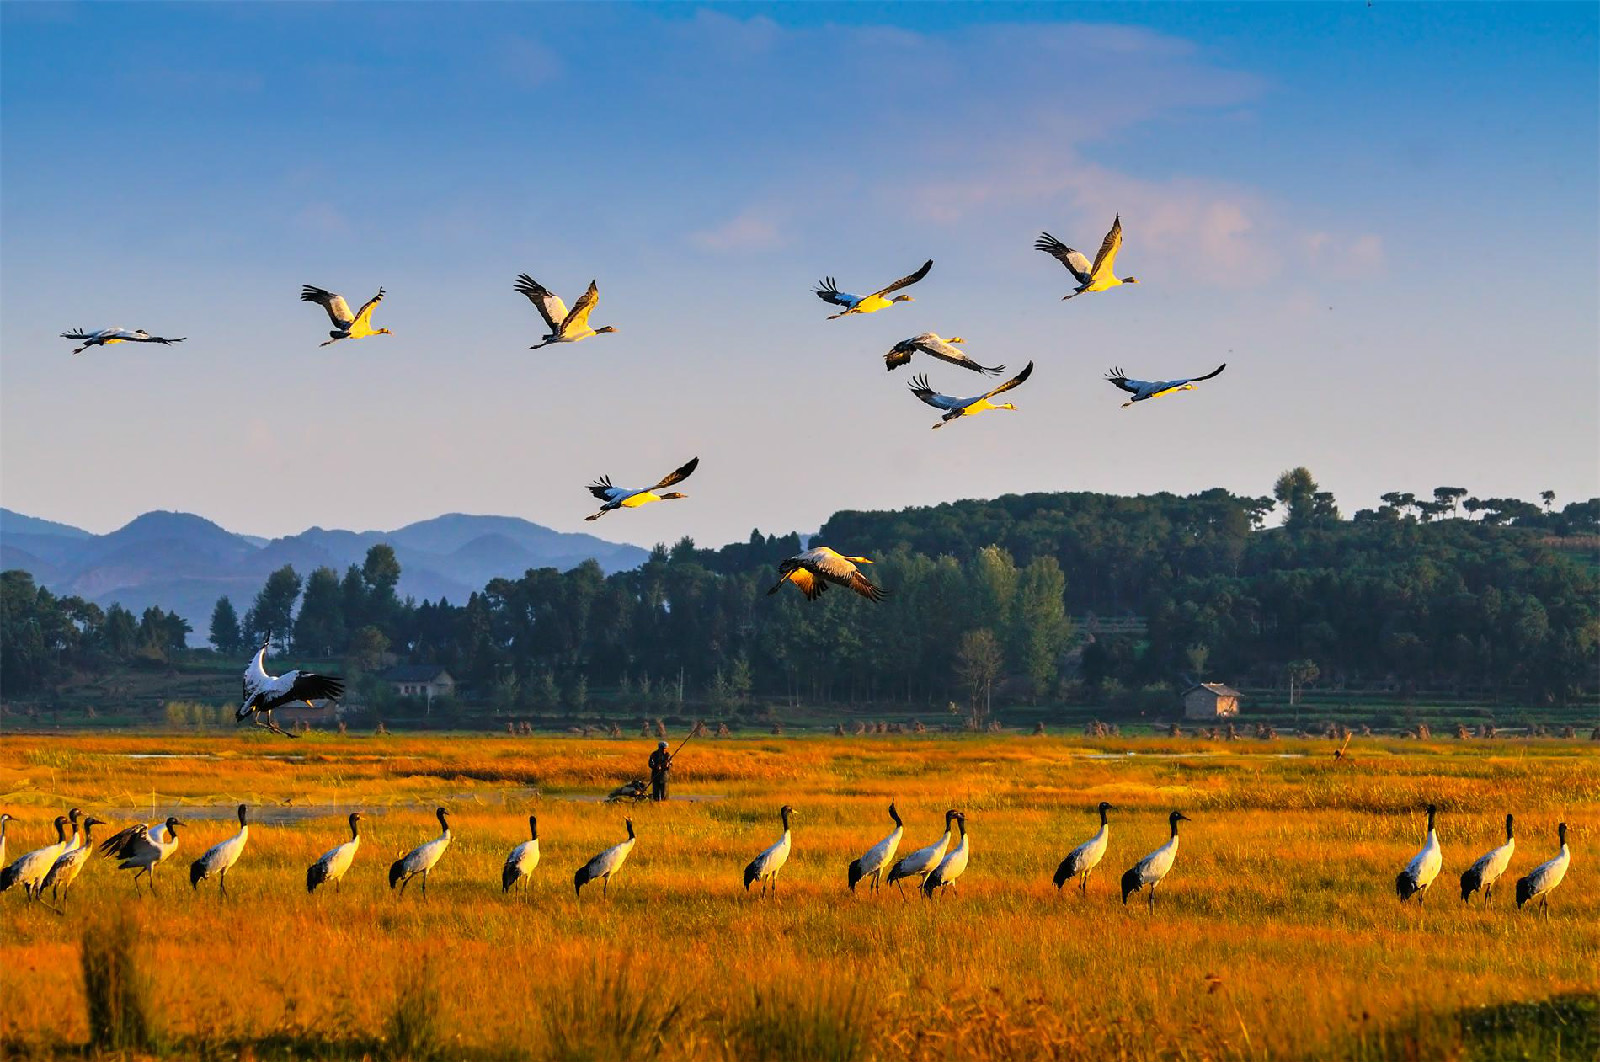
{"x": 1277, "y": 935}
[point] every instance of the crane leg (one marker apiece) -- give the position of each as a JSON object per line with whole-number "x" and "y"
{"x": 222, "y": 882}
{"x": 403, "y": 883}
{"x": 424, "y": 884}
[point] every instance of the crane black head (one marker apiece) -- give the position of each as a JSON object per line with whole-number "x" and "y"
{"x": 894, "y": 814}
{"x": 1106, "y": 805}
{"x": 950, "y": 816}
{"x": 443, "y": 816}
{"x": 172, "y": 824}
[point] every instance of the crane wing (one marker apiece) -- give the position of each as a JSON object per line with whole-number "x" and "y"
{"x": 932, "y": 345}
{"x": 310, "y": 686}
{"x": 604, "y": 491}
{"x": 792, "y": 571}
{"x": 907, "y": 281}
{"x": 1106, "y": 260}
{"x": 920, "y": 388}
{"x": 1209, "y": 375}
{"x": 579, "y": 317}
{"x": 1015, "y": 381}
{"x": 365, "y": 315}
{"x": 1120, "y": 378}
{"x": 156, "y": 339}
{"x": 828, "y": 291}
{"x": 338, "y": 309}
{"x": 679, "y": 474}
{"x": 547, "y": 302}
{"x": 1075, "y": 262}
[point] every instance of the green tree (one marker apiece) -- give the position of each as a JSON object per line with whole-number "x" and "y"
{"x": 367, "y": 646}
{"x": 319, "y": 629}
{"x": 272, "y": 614}
{"x": 225, "y": 636}
{"x": 980, "y": 661}
{"x": 1295, "y": 490}
{"x": 1041, "y": 628}
{"x": 122, "y": 632}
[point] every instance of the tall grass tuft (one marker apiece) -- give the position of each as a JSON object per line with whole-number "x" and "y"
{"x": 814, "y": 1024}
{"x": 115, "y": 988}
{"x": 414, "y": 1033}
{"x": 607, "y": 1013}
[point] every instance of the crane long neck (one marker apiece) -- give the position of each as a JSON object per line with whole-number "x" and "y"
{"x": 355, "y": 829}
{"x": 1174, "y": 828}
{"x": 1102, "y": 816}
{"x": 1508, "y": 827}
{"x": 533, "y": 828}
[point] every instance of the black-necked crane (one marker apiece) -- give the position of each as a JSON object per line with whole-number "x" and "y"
{"x": 814, "y": 569}
{"x": 921, "y": 863}
{"x": 764, "y": 867}
{"x": 1424, "y": 866}
{"x": 1142, "y": 390}
{"x": 1538, "y": 882}
{"x": 1148, "y": 872}
{"x": 604, "y": 865}
{"x": 953, "y": 865}
{"x": 930, "y": 344}
{"x": 345, "y": 324}
{"x": 878, "y": 858}
{"x": 1098, "y": 276}
{"x": 264, "y": 692}
{"x": 564, "y": 327}
{"x": 336, "y": 860}
{"x": 423, "y": 858}
{"x": 221, "y": 857}
{"x": 141, "y": 848}
{"x": 624, "y": 498}
{"x": 64, "y": 871}
{"x": 29, "y": 871}
{"x": 1488, "y": 868}
{"x": 1082, "y": 860}
{"x": 967, "y": 407}
{"x": 105, "y": 337}
{"x": 523, "y": 858}
{"x": 828, "y": 291}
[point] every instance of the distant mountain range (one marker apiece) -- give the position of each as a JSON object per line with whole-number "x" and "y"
{"x": 183, "y": 562}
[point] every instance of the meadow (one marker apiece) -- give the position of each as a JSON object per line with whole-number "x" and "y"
{"x": 1277, "y": 935}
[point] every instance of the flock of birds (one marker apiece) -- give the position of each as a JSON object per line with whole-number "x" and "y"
{"x": 933, "y": 869}
{"x": 813, "y": 569}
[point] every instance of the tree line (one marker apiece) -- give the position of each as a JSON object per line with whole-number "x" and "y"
{"x": 1410, "y": 593}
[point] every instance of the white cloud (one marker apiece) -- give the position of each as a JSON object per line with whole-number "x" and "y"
{"x": 750, "y": 230}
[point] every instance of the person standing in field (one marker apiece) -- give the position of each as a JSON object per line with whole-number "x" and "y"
{"x": 660, "y": 764}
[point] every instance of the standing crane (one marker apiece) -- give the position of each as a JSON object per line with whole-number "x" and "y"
{"x": 1538, "y": 883}
{"x": 923, "y": 861}
{"x": 764, "y": 867}
{"x": 29, "y": 871}
{"x": 1487, "y": 870}
{"x": 142, "y": 848}
{"x": 423, "y": 858}
{"x": 604, "y": 865}
{"x": 523, "y": 858}
{"x": 952, "y": 866}
{"x": 335, "y": 861}
{"x": 879, "y": 855}
{"x": 64, "y": 871}
{"x": 1424, "y": 866}
{"x": 221, "y": 857}
{"x": 1082, "y": 860}
{"x": 1149, "y": 871}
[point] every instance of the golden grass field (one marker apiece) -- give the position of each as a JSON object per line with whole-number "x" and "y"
{"x": 1277, "y": 935}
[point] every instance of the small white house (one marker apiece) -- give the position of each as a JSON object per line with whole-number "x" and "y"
{"x": 1210, "y": 700}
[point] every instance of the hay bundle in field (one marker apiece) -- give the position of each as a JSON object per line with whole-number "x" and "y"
{"x": 838, "y": 730}
{"x": 661, "y": 728}
{"x": 1569, "y": 732}
{"x": 616, "y": 730}
{"x": 858, "y": 728}
{"x": 1594, "y": 735}
{"x": 722, "y": 730}
{"x": 1462, "y": 733}
{"x": 699, "y": 728}
{"x": 1038, "y": 728}
{"x": 918, "y": 728}
{"x": 1265, "y": 732}
{"x": 1423, "y": 732}
{"x": 1486, "y": 730}
{"x": 644, "y": 728}
{"x": 777, "y": 729}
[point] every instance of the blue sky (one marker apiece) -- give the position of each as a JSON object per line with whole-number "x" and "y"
{"x": 1383, "y": 219}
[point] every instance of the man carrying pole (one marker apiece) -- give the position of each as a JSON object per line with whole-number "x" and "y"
{"x": 660, "y": 764}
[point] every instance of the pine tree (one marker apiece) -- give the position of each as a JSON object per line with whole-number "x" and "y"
{"x": 225, "y": 636}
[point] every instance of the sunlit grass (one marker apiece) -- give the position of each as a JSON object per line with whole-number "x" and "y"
{"x": 1277, "y": 935}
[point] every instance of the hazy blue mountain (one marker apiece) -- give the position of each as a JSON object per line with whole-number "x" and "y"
{"x": 183, "y": 563}
{"x": 15, "y": 523}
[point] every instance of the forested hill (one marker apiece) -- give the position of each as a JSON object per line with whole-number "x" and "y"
{"x": 1042, "y": 597}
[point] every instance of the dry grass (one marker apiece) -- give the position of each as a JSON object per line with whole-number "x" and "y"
{"x": 1277, "y": 935}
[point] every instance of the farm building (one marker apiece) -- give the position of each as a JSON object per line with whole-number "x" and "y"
{"x": 420, "y": 680}
{"x": 1210, "y": 700}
